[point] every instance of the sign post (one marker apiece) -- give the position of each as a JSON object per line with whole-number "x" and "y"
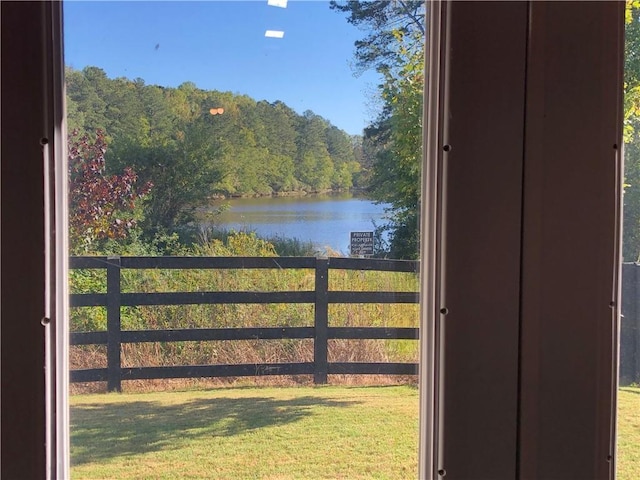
{"x": 361, "y": 244}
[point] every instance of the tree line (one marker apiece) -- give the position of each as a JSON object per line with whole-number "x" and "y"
{"x": 193, "y": 145}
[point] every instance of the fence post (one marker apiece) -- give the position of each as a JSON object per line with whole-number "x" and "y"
{"x": 627, "y": 320}
{"x": 114, "y": 377}
{"x": 321, "y": 322}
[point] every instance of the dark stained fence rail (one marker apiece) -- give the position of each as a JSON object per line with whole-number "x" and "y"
{"x": 630, "y": 325}
{"x": 321, "y": 333}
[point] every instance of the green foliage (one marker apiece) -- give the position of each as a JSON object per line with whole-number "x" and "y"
{"x": 397, "y": 136}
{"x": 341, "y": 150}
{"x": 391, "y": 151}
{"x": 631, "y": 197}
{"x": 283, "y": 247}
{"x": 183, "y": 171}
{"x": 172, "y": 138}
{"x": 237, "y": 244}
{"x": 293, "y": 247}
{"x": 314, "y": 166}
{"x": 382, "y": 20}
{"x": 631, "y": 68}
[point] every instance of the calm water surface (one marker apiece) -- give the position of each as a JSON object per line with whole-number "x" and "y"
{"x": 325, "y": 220}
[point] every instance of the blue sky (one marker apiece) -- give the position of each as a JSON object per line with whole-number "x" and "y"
{"x": 221, "y": 45}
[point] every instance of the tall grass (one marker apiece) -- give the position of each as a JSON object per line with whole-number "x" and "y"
{"x": 244, "y": 315}
{"x": 283, "y": 246}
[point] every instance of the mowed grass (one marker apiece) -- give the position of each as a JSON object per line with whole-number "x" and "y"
{"x": 247, "y": 433}
{"x": 270, "y": 433}
{"x": 628, "y": 434}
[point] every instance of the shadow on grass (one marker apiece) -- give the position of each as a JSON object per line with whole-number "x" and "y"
{"x": 107, "y": 430}
{"x": 635, "y": 390}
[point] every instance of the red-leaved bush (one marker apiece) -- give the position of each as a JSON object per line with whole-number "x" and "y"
{"x": 100, "y": 206}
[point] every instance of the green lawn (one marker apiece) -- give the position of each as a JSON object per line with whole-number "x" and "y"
{"x": 245, "y": 433}
{"x": 270, "y": 433}
{"x": 629, "y": 434}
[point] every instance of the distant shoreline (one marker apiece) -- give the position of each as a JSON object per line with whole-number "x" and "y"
{"x": 295, "y": 193}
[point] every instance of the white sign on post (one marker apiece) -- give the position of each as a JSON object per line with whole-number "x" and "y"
{"x": 361, "y": 243}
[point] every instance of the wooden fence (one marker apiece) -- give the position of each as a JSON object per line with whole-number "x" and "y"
{"x": 114, "y": 299}
{"x": 630, "y": 325}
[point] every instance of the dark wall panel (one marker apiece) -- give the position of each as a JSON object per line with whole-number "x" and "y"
{"x": 484, "y": 125}
{"x": 570, "y": 263}
{"x": 23, "y": 234}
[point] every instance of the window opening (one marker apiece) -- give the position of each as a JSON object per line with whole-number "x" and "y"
{"x": 628, "y": 452}
{"x": 244, "y": 192}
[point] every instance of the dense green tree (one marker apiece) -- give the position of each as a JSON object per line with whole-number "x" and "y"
{"x": 394, "y": 47}
{"x": 86, "y": 107}
{"x": 382, "y": 20}
{"x": 342, "y": 152}
{"x": 183, "y": 171}
{"x": 279, "y": 128}
{"x": 278, "y": 136}
{"x": 364, "y": 151}
{"x": 314, "y": 166}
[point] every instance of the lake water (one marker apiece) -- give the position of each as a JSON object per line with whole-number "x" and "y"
{"x": 325, "y": 220}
